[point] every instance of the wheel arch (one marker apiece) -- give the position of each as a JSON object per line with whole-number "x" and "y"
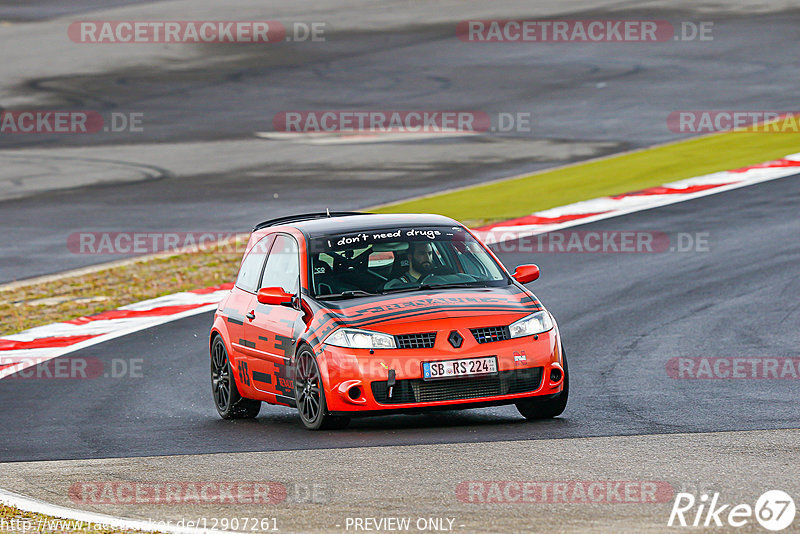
{"x": 218, "y": 330}
{"x": 319, "y": 356}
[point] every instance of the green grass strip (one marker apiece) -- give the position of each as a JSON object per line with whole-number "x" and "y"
{"x": 631, "y": 171}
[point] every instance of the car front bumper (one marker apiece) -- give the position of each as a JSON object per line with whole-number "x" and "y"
{"x": 359, "y": 381}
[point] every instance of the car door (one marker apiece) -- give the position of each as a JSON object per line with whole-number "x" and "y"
{"x": 273, "y": 329}
{"x": 243, "y": 295}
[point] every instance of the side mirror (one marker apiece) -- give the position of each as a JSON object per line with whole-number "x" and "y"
{"x": 526, "y": 273}
{"x": 275, "y": 296}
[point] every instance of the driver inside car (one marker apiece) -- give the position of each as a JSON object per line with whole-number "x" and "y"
{"x": 420, "y": 264}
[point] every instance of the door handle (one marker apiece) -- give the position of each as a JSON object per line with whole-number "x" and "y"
{"x": 251, "y": 315}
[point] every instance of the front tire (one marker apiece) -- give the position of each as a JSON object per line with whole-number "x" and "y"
{"x": 534, "y": 409}
{"x": 227, "y": 399}
{"x": 309, "y": 394}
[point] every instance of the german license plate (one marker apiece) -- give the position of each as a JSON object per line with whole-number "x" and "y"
{"x": 456, "y": 368}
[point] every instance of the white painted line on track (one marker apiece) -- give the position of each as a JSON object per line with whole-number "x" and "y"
{"x": 32, "y": 359}
{"x": 36, "y": 506}
{"x": 338, "y": 138}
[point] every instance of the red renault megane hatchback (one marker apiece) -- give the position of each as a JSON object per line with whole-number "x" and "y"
{"x": 347, "y": 314}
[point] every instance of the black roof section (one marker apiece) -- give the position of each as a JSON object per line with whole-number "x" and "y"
{"x": 319, "y": 224}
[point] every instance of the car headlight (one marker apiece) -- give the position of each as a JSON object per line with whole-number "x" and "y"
{"x": 535, "y": 323}
{"x": 353, "y": 338}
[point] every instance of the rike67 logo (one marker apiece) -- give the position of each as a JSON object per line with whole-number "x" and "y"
{"x": 774, "y": 510}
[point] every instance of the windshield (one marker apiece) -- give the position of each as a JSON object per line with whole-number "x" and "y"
{"x": 403, "y": 259}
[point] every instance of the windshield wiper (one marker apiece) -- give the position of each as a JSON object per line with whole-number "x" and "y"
{"x": 452, "y": 284}
{"x": 349, "y": 294}
{"x": 428, "y": 287}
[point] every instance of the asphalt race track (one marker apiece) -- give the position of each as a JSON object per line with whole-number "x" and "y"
{"x": 622, "y": 317}
{"x": 197, "y": 165}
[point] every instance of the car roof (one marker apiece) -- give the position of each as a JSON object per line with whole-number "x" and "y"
{"x": 319, "y": 226}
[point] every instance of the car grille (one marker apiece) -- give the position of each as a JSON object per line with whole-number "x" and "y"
{"x": 416, "y": 341}
{"x": 490, "y": 333}
{"x": 417, "y": 390}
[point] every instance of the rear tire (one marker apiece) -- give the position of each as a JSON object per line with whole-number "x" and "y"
{"x": 309, "y": 394}
{"x": 534, "y": 409}
{"x": 229, "y": 403}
